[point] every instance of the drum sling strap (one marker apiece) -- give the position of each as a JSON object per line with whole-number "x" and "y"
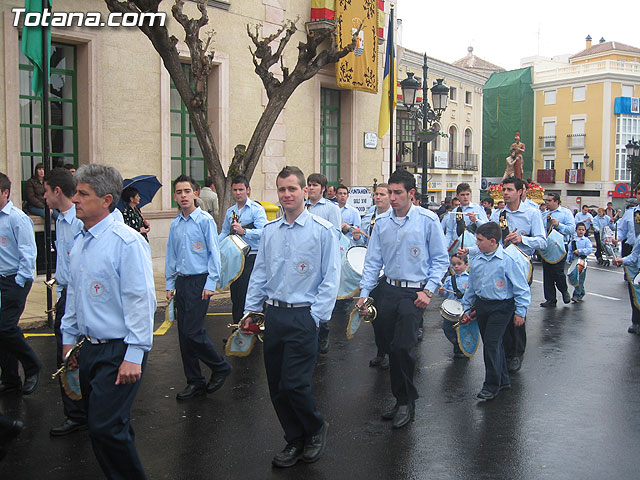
{"x": 504, "y": 227}
{"x": 636, "y": 222}
{"x": 454, "y": 284}
{"x": 574, "y": 248}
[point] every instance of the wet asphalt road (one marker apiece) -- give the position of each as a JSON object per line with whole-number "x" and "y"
{"x": 573, "y": 411}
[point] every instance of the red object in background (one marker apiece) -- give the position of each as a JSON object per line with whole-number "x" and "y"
{"x": 572, "y": 175}
{"x": 546, "y": 176}
{"x": 621, "y": 190}
{"x": 578, "y": 200}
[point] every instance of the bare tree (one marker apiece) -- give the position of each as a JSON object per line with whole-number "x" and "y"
{"x": 319, "y": 50}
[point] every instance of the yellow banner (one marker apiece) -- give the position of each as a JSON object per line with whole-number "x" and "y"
{"x": 359, "y": 69}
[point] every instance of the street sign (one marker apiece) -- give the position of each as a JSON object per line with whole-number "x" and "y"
{"x": 360, "y": 198}
{"x": 621, "y": 190}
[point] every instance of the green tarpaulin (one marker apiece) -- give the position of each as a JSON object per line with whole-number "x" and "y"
{"x": 507, "y": 109}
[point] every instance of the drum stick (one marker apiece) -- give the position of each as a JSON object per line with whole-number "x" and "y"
{"x": 450, "y": 291}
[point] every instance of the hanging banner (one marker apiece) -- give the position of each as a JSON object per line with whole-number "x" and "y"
{"x": 322, "y": 10}
{"x": 359, "y": 69}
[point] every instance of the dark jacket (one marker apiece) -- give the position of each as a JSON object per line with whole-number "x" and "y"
{"x": 35, "y": 193}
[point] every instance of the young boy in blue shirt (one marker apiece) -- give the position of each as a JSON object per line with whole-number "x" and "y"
{"x": 453, "y": 288}
{"x": 499, "y": 292}
{"x": 581, "y": 246}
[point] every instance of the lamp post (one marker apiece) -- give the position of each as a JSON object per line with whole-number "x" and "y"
{"x": 633, "y": 154}
{"x": 425, "y": 112}
{"x": 588, "y": 163}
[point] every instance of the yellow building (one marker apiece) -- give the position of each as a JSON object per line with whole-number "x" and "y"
{"x": 583, "y": 121}
{"x": 113, "y": 103}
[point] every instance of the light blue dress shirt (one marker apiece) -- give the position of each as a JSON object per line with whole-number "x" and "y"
{"x": 67, "y": 227}
{"x": 449, "y": 220}
{"x": 328, "y": 210}
{"x": 600, "y": 222}
{"x": 586, "y": 219}
{"x": 567, "y": 225}
{"x": 350, "y": 216}
{"x": 498, "y": 276}
{"x": 583, "y": 245}
{"x": 410, "y": 249}
{"x": 528, "y": 223}
{"x": 365, "y": 226}
{"x": 297, "y": 263}
{"x": 111, "y": 293}
{"x": 462, "y": 282}
{"x": 633, "y": 259}
{"x": 626, "y": 226}
{"x": 17, "y": 244}
{"x": 252, "y": 212}
{"x": 192, "y": 249}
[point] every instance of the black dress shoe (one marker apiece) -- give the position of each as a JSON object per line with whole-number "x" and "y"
{"x": 315, "y": 446}
{"x": 566, "y": 298}
{"x": 191, "y": 391}
{"x": 548, "y": 304}
{"x": 420, "y": 334}
{"x": 288, "y": 457}
{"x": 515, "y": 364}
{"x": 404, "y": 415}
{"x": 485, "y": 394}
{"x": 634, "y": 328}
{"x": 6, "y": 388}
{"x": 31, "y": 383}
{"x": 69, "y": 426}
{"x": 380, "y": 362}
{"x": 390, "y": 414}
{"x": 216, "y": 381}
{"x": 11, "y": 432}
{"x": 323, "y": 345}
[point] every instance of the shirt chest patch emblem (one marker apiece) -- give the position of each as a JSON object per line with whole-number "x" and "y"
{"x": 414, "y": 252}
{"x": 500, "y": 283}
{"x": 96, "y": 289}
{"x": 465, "y": 285}
{"x": 4, "y": 241}
{"x": 197, "y": 246}
{"x": 302, "y": 267}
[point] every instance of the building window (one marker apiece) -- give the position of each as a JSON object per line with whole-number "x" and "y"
{"x": 579, "y": 94}
{"x": 330, "y": 134}
{"x": 549, "y": 162}
{"x": 453, "y": 132}
{"x": 467, "y": 97}
{"x": 577, "y": 137}
{"x": 577, "y": 161}
{"x": 550, "y": 97}
{"x": 627, "y": 127}
{"x": 186, "y": 155}
{"x": 467, "y": 144}
{"x": 549, "y": 138}
{"x": 406, "y": 146}
{"x": 453, "y": 94}
{"x": 63, "y": 128}
{"x": 627, "y": 90}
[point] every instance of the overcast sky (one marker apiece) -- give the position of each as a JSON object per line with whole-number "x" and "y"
{"x": 503, "y": 32}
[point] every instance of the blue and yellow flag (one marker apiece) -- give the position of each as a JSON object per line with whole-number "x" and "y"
{"x": 386, "y": 108}
{"x": 32, "y": 44}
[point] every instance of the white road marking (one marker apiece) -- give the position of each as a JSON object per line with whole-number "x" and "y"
{"x": 594, "y": 294}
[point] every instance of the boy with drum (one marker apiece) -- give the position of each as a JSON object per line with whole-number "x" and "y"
{"x": 580, "y": 247}
{"x": 453, "y": 289}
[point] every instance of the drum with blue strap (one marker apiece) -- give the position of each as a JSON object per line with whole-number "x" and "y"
{"x": 466, "y": 240}
{"x": 555, "y": 251}
{"x": 351, "y": 272}
{"x": 233, "y": 250}
{"x": 468, "y": 337}
{"x": 523, "y": 260}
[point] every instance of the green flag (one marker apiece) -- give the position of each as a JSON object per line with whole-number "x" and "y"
{"x": 32, "y": 44}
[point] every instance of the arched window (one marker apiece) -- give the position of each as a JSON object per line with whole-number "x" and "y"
{"x": 453, "y": 133}
{"x": 435, "y": 145}
{"x": 467, "y": 145}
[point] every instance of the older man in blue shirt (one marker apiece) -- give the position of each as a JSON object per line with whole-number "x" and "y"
{"x": 473, "y": 215}
{"x": 296, "y": 273}
{"x": 247, "y": 219}
{"x": 110, "y": 304}
{"x": 408, "y": 242}
{"x": 192, "y": 268}
{"x": 59, "y": 188}
{"x": 350, "y": 216}
{"x": 17, "y": 264}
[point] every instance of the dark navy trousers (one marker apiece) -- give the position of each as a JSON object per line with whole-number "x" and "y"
{"x": 290, "y": 354}
{"x": 238, "y": 289}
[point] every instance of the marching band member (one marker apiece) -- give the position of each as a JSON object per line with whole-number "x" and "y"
{"x": 600, "y": 221}
{"x": 192, "y": 267}
{"x": 499, "y": 293}
{"x": 110, "y": 302}
{"x": 247, "y": 219}
{"x": 59, "y": 188}
{"x": 454, "y": 287}
{"x": 585, "y": 217}
{"x": 350, "y": 217}
{"x": 17, "y": 264}
{"x": 382, "y": 203}
{"x": 579, "y": 247}
{"x": 410, "y": 245}
{"x": 317, "y": 204}
{"x": 296, "y": 272}
{"x": 629, "y": 226}
{"x": 632, "y": 261}
{"x": 474, "y": 214}
{"x": 560, "y": 219}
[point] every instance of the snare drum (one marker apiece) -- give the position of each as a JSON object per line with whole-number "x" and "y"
{"x": 233, "y": 250}
{"x": 451, "y": 310}
{"x": 576, "y": 267}
{"x": 351, "y": 272}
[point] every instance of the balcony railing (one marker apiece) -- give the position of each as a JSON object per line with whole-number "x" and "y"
{"x": 455, "y": 161}
{"x": 584, "y": 69}
{"x": 576, "y": 140}
{"x": 546, "y": 175}
{"x": 547, "y": 143}
{"x": 574, "y": 175}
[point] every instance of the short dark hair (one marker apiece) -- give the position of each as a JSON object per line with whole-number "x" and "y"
{"x": 287, "y": 171}
{"x": 69, "y": 166}
{"x": 343, "y": 187}
{"x": 208, "y": 181}
{"x": 403, "y": 177}
{"x": 318, "y": 178}
{"x": 241, "y": 179}
{"x": 555, "y": 196}
{"x": 490, "y": 230}
{"x": 197, "y": 187}
{"x": 581, "y": 224}
{"x": 185, "y": 178}
{"x": 517, "y": 183}
{"x": 382, "y": 185}
{"x": 5, "y": 183}
{"x": 128, "y": 193}
{"x": 489, "y": 200}
{"x": 63, "y": 178}
{"x": 463, "y": 187}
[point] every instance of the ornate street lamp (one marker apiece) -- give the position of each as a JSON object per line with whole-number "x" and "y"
{"x": 588, "y": 163}
{"x": 425, "y": 112}
{"x": 633, "y": 153}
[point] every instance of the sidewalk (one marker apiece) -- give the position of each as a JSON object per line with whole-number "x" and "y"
{"x": 35, "y": 316}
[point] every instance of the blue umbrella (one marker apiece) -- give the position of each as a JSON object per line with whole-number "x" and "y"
{"x": 147, "y": 186}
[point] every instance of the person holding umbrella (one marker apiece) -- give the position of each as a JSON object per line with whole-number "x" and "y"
{"x": 131, "y": 213}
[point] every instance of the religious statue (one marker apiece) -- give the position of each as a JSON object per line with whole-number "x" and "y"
{"x": 515, "y": 160}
